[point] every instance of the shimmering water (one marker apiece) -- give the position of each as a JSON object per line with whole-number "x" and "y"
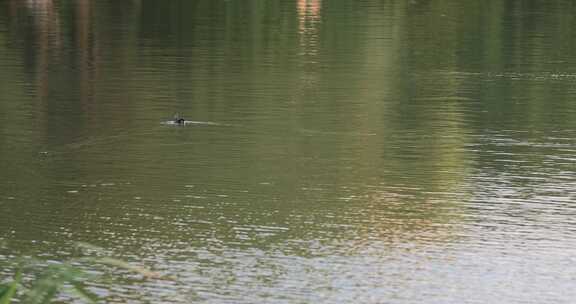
{"x": 339, "y": 152}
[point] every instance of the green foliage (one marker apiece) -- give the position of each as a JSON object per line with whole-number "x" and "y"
{"x": 46, "y": 282}
{"x": 7, "y": 291}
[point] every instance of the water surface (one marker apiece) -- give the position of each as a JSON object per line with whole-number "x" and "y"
{"x": 342, "y": 152}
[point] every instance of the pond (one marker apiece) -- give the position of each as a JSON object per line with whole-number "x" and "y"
{"x": 372, "y": 151}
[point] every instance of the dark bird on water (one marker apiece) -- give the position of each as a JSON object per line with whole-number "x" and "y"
{"x": 179, "y": 120}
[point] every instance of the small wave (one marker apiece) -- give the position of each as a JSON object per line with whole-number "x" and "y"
{"x": 192, "y": 122}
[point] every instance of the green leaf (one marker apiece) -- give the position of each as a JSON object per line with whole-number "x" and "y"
{"x": 83, "y": 293}
{"x": 8, "y": 291}
{"x": 4, "y": 289}
{"x": 45, "y": 288}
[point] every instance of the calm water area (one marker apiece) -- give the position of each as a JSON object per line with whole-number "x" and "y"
{"x": 354, "y": 151}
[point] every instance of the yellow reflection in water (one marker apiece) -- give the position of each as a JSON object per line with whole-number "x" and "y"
{"x": 309, "y": 14}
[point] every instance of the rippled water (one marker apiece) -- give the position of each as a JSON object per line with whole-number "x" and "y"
{"x": 336, "y": 152}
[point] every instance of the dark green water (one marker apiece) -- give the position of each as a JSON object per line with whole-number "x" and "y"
{"x": 365, "y": 151}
